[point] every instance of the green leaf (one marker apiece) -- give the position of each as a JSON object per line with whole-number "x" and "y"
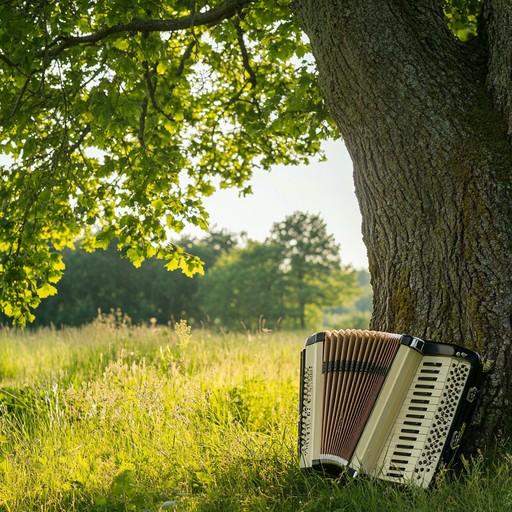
{"x": 46, "y": 290}
{"x": 121, "y": 44}
{"x": 135, "y": 255}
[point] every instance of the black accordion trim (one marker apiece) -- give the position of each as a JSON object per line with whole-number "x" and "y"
{"x": 354, "y": 366}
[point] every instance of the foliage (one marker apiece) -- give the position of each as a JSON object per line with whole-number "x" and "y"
{"x": 462, "y": 16}
{"x": 278, "y": 282}
{"x": 245, "y": 288}
{"x": 105, "y": 281}
{"x": 118, "y": 117}
{"x": 356, "y": 309}
{"x": 218, "y": 242}
{"x": 112, "y": 418}
{"x": 310, "y": 263}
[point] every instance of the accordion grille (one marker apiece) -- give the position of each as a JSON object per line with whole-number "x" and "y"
{"x": 355, "y": 364}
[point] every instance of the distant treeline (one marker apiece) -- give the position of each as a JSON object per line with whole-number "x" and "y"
{"x": 293, "y": 279}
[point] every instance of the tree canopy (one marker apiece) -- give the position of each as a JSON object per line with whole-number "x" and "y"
{"x": 309, "y": 261}
{"x": 118, "y": 117}
{"x": 297, "y": 267}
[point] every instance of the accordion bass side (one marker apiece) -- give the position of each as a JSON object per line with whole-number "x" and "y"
{"x": 391, "y": 406}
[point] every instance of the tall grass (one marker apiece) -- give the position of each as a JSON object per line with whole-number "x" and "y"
{"x": 111, "y": 417}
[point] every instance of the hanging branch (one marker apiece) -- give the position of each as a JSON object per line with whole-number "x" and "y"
{"x": 152, "y": 90}
{"x": 227, "y": 9}
{"x": 186, "y": 55}
{"x": 245, "y": 54}
{"x": 19, "y": 99}
{"x": 142, "y": 121}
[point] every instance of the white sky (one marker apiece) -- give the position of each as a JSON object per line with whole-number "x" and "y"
{"x": 324, "y": 188}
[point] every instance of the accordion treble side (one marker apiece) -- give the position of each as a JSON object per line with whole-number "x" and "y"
{"x": 391, "y": 406}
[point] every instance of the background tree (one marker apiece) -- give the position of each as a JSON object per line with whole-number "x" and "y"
{"x": 245, "y": 289}
{"x": 356, "y": 308}
{"x": 309, "y": 257}
{"x": 169, "y": 91}
{"x": 105, "y": 281}
{"x": 296, "y": 268}
{"x": 217, "y": 242}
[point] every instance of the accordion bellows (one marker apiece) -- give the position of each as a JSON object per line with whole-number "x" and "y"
{"x": 392, "y": 406}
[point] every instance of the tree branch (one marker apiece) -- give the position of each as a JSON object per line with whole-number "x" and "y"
{"x": 151, "y": 90}
{"x": 78, "y": 143}
{"x": 142, "y": 122}
{"x": 19, "y": 99}
{"x": 3, "y": 58}
{"x": 245, "y": 55}
{"x": 186, "y": 55}
{"x": 227, "y": 9}
{"x": 151, "y": 87}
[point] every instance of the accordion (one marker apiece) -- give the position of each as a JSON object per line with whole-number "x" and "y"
{"x": 386, "y": 405}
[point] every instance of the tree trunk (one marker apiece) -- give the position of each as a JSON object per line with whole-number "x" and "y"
{"x": 425, "y": 118}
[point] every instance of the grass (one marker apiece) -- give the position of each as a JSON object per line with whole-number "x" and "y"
{"x": 111, "y": 417}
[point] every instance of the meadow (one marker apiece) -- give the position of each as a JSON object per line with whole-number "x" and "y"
{"x": 113, "y": 417}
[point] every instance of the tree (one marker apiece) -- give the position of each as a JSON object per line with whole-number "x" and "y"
{"x": 105, "y": 281}
{"x": 245, "y": 288}
{"x": 309, "y": 261}
{"x": 426, "y": 117}
{"x": 274, "y": 282}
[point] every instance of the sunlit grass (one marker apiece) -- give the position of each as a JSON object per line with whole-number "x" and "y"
{"x": 111, "y": 417}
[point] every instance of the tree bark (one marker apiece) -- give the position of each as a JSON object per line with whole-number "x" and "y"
{"x": 426, "y": 119}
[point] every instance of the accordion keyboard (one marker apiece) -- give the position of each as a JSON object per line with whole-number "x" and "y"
{"x": 423, "y": 425}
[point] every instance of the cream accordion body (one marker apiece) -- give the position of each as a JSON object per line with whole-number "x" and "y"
{"x": 391, "y": 406}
